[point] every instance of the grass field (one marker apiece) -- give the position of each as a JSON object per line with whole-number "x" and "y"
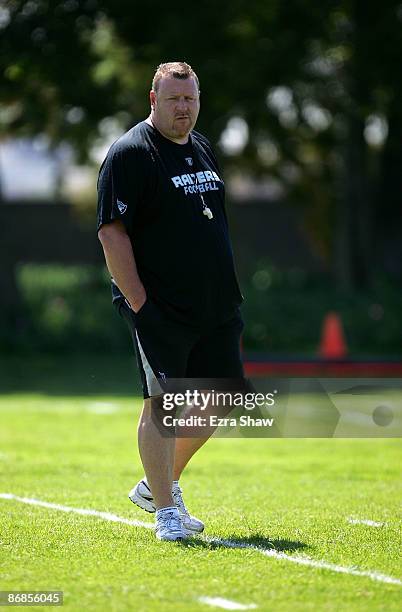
{"x": 277, "y": 512}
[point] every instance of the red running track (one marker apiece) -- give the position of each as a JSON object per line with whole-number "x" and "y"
{"x": 321, "y": 368}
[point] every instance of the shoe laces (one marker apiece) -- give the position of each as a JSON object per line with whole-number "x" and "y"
{"x": 178, "y": 500}
{"x": 170, "y": 520}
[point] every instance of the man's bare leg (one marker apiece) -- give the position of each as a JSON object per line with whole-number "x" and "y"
{"x": 157, "y": 456}
{"x": 187, "y": 447}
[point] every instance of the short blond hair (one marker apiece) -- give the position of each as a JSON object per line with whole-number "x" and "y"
{"x": 178, "y": 70}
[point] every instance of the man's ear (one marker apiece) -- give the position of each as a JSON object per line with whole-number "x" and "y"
{"x": 152, "y": 98}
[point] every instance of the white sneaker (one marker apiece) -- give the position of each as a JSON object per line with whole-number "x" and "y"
{"x": 191, "y": 524}
{"x": 141, "y": 495}
{"x": 169, "y": 526}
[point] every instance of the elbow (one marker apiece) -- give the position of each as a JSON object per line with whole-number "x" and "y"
{"x": 103, "y": 234}
{"x": 110, "y": 231}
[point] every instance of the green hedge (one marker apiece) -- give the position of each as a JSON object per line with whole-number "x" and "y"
{"x": 68, "y": 309}
{"x": 285, "y": 311}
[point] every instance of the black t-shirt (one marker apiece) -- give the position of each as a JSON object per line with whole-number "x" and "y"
{"x": 154, "y": 187}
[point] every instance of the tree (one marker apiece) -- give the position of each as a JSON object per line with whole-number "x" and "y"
{"x": 316, "y": 83}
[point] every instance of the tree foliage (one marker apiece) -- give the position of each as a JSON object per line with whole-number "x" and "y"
{"x": 317, "y": 84}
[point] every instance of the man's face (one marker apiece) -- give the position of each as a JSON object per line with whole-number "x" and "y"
{"x": 175, "y": 107}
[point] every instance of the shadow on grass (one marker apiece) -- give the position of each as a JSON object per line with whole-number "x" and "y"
{"x": 256, "y": 541}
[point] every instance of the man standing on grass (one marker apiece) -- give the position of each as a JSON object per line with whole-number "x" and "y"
{"x": 163, "y": 229}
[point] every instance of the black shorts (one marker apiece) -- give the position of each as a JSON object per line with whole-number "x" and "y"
{"x": 166, "y": 349}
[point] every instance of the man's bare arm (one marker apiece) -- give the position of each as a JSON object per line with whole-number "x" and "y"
{"x": 121, "y": 263}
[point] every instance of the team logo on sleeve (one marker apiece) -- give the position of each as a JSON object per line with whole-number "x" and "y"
{"x": 121, "y": 206}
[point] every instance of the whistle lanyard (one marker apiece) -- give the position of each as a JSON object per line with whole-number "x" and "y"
{"x": 205, "y": 208}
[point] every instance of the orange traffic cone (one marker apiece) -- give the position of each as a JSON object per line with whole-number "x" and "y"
{"x": 333, "y": 344}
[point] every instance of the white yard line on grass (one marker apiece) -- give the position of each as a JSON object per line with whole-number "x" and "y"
{"x": 106, "y": 516}
{"x": 353, "y": 521}
{"x": 226, "y": 604}
{"x": 372, "y": 574}
{"x": 102, "y": 408}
